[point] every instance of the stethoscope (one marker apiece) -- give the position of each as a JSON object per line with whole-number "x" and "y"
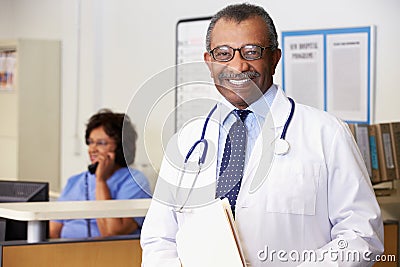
{"x": 282, "y": 147}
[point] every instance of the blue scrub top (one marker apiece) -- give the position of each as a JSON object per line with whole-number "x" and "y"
{"x": 125, "y": 183}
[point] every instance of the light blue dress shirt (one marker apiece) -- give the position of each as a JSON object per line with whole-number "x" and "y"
{"x": 253, "y": 122}
{"x": 125, "y": 183}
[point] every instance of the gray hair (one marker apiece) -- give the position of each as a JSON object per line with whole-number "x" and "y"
{"x": 239, "y": 13}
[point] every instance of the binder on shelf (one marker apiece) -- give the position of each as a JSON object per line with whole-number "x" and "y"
{"x": 384, "y": 142}
{"x": 376, "y": 174}
{"x": 395, "y": 133}
{"x": 362, "y": 139}
{"x": 209, "y": 237}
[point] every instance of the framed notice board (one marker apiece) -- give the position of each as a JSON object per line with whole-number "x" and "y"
{"x": 194, "y": 86}
{"x": 331, "y": 69}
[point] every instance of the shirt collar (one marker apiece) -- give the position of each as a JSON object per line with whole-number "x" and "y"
{"x": 260, "y": 107}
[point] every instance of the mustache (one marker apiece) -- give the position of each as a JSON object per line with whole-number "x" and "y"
{"x": 239, "y": 76}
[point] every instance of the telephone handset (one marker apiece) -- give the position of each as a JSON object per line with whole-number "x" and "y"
{"x": 93, "y": 167}
{"x": 118, "y": 157}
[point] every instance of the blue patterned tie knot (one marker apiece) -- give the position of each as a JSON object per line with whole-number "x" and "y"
{"x": 242, "y": 113}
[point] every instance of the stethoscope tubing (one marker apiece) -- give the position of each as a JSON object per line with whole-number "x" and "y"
{"x": 203, "y": 156}
{"x": 202, "y": 140}
{"x": 289, "y": 119}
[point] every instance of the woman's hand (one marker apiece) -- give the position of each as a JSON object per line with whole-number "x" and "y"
{"x": 106, "y": 167}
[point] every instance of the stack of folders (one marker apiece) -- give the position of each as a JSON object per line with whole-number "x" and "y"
{"x": 379, "y": 145}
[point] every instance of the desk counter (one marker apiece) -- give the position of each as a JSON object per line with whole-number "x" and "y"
{"x": 37, "y": 212}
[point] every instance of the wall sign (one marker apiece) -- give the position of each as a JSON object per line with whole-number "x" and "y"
{"x": 331, "y": 70}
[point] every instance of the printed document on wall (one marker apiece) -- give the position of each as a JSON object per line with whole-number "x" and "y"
{"x": 332, "y": 70}
{"x": 347, "y": 75}
{"x": 305, "y": 69}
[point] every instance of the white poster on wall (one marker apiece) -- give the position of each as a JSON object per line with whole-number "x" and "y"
{"x": 195, "y": 90}
{"x": 331, "y": 70}
{"x": 347, "y": 75}
{"x": 304, "y": 69}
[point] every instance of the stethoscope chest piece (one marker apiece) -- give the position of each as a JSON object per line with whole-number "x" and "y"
{"x": 281, "y": 147}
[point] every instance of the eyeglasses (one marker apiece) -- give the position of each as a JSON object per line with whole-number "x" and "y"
{"x": 225, "y": 53}
{"x": 98, "y": 143}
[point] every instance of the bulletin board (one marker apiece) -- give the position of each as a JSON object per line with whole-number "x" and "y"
{"x": 193, "y": 80}
{"x": 332, "y": 70}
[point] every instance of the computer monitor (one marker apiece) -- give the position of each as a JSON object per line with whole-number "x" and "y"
{"x": 20, "y": 191}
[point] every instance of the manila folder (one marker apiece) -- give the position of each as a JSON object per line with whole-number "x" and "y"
{"x": 208, "y": 237}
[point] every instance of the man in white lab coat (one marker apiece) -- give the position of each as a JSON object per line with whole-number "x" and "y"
{"x": 309, "y": 203}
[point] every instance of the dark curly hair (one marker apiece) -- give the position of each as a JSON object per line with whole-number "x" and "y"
{"x": 117, "y": 126}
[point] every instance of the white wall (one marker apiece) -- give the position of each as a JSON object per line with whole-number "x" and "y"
{"x": 123, "y": 43}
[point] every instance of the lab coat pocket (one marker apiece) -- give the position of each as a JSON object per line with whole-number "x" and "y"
{"x": 292, "y": 188}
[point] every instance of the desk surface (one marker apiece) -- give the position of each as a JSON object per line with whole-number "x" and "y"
{"x": 41, "y": 211}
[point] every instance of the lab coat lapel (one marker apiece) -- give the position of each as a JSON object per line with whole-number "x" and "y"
{"x": 280, "y": 109}
{"x": 262, "y": 157}
{"x": 212, "y": 137}
{"x": 203, "y": 191}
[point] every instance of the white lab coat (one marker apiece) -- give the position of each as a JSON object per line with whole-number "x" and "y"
{"x": 318, "y": 197}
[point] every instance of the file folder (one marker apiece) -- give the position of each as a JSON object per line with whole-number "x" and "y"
{"x": 395, "y": 132}
{"x": 208, "y": 237}
{"x": 384, "y": 142}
